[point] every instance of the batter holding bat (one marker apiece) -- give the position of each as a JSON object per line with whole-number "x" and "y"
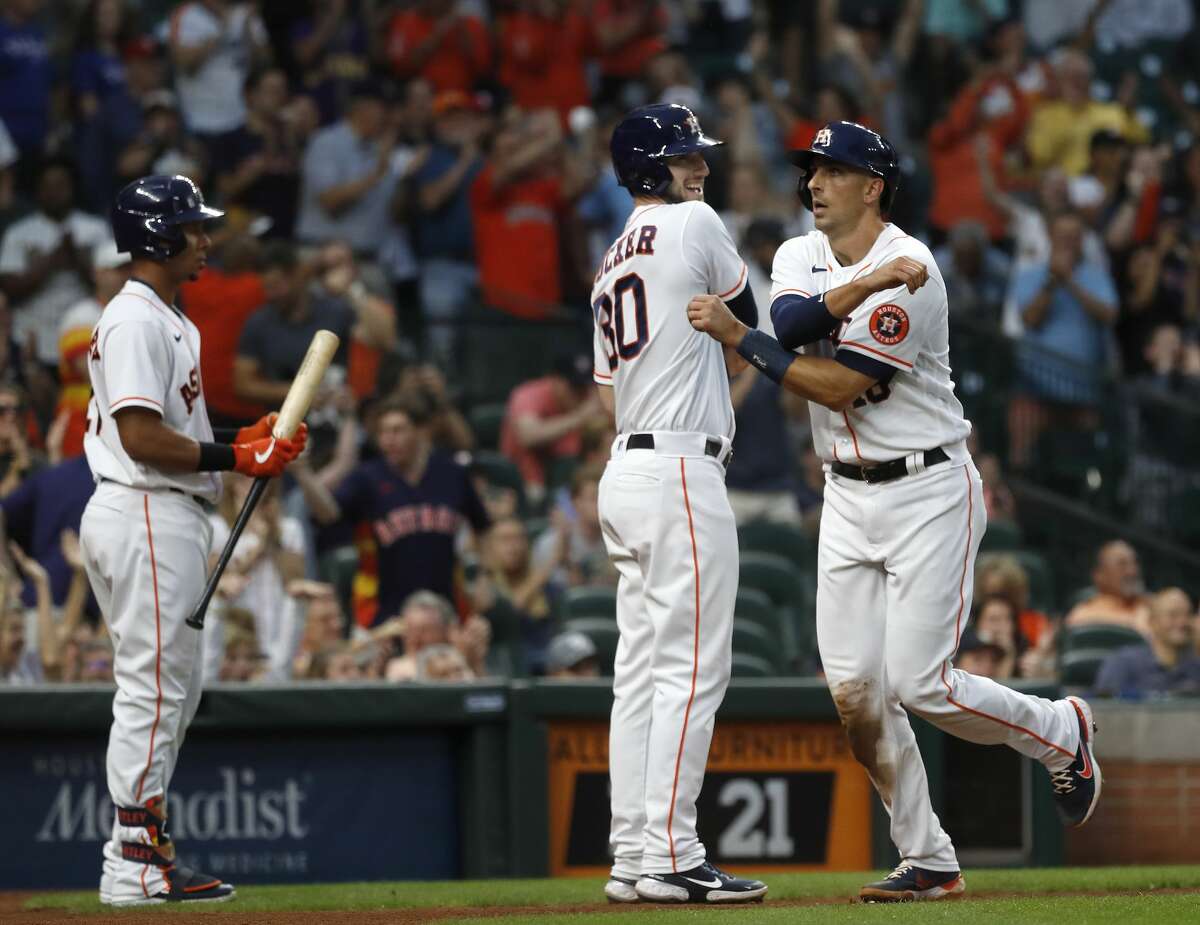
{"x": 145, "y": 533}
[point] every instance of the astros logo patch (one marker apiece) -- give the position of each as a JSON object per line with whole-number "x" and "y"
{"x": 889, "y": 324}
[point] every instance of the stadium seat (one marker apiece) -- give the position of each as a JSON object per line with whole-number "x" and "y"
{"x": 338, "y": 567}
{"x": 1183, "y": 516}
{"x": 1105, "y": 636}
{"x": 500, "y": 471}
{"x": 1079, "y": 667}
{"x": 603, "y": 632}
{"x": 779, "y": 578}
{"x": 1001, "y": 535}
{"x": 485, "y": 421}
{"x": 779, "y": 539}
{"x": 746, "y": 665}
{"x": 752, "y": 639}
{"x": 591, "y": 601}
{"x": 559, "y": 472}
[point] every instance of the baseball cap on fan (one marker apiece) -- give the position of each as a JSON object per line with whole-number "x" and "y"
{"x": 566, "y": 650}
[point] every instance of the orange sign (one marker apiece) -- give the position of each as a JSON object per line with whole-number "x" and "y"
{"x": 777, "y": 796}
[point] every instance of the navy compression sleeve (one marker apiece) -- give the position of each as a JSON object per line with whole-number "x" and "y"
{"x": 744, "y": 307}
{"x": 801, "y": 320}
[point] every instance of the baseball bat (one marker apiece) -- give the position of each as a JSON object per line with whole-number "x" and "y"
{"x": 320, "y": 351}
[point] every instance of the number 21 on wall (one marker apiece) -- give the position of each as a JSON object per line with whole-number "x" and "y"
{"x": 623, "y": 340}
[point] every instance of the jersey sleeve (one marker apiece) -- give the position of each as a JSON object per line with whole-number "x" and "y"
{"x": 602, "y": 351}
{"x": 892, "y": 327}
{"x": 791, "y": 271}
{"x": 709, "y": 251}
{"x": 136, "y": 366}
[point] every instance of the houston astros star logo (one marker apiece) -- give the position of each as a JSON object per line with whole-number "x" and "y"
{"x": 889, "y": 324}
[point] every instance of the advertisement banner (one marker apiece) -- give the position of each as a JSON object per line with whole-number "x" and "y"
{"x": 777, "y": 796}
{"x": 249, "y": 809}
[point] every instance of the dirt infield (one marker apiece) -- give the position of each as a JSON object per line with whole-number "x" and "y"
{"x": 11, "y": 911}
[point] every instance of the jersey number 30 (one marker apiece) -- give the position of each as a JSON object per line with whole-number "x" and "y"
{"x": 612, "y": 316}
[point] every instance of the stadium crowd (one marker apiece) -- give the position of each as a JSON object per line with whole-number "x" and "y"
{"x": 425, "y": 177}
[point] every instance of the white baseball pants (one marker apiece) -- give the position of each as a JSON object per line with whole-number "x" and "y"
{"x": 670, "y": 533}
{"x": 146, "y": 555}
{"x": 897, "y": 563}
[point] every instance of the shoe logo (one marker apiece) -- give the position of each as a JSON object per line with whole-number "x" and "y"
{"x": 818, "y": 269}
{"x": 1086, "y": 773}
{"x": 712, "y": 884}
{"x": 262, "y": 457}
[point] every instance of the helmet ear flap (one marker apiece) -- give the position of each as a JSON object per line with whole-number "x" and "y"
{"x": 803, "y": 192}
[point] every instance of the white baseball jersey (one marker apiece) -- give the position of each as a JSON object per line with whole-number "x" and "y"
{"x": 917, "y": 410}
{"x": 145, "y": 354}
{"x": 666, "y": 375}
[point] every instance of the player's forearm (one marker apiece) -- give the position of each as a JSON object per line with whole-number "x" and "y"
{"x": 153, "y": 444}
{"x": 843, "y": 300}
{"x": 818, "y": 379}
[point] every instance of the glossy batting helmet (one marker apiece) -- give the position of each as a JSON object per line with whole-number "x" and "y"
{"x": 855, "y": 146}
{"x": 646, "y": 137}
{"x": 148, "y": 213}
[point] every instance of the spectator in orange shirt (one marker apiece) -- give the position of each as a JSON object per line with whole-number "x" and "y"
{"x": 1120, "y": 596}
{"x": 545, "y": 416}
{"x": 219, "y": 302}
{"x": 628, "y": 34}
{"x": 542, "y": 47}
{"x": 437, "y": 41}
{"x": 515, "y": 204}
{"x": 986, "y": 119}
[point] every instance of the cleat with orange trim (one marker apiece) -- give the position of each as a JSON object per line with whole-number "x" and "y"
{"x": 908, "y": 884}
{"x": 1077, "y": 787}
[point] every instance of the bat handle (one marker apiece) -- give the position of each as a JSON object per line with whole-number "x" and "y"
{"x": 196, "y": 620}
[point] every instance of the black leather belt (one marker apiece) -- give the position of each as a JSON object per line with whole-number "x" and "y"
{"x": 712, "y": 447}
{"x": 886, "y": 472}
{"x": 203, "y": 502}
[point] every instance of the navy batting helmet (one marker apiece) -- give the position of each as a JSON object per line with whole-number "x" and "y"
{"x": 855, "y": 146}
{"x": 647, "y": 136}
{"x": 148, "y": 213}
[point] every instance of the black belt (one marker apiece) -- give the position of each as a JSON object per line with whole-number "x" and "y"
{"x": 886, "y": 472}
{"x": 712, "y": 446}
{"x": 203, "y": 502}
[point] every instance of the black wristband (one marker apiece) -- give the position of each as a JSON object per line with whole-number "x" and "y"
{"x": 764, "y": 353}
{"x": 216, "y": 457}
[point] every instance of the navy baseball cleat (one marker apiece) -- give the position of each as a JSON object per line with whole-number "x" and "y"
{"x": 621, "y": 890}
{"x": 703, "y": 884}
{"x": 1077, "y": 787}
{"x": 908, "y": 884}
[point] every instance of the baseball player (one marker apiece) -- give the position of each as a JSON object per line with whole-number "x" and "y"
{"x": 666, "y": 520}
{"x": 145, "y": 532}
{"x": 903, "y": 513}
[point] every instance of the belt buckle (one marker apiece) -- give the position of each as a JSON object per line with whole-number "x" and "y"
{"x": 867, "y": 476}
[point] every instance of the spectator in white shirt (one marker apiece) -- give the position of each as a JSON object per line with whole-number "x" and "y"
{"x": 45, "y": 260}
{"x": 214, "y": 45}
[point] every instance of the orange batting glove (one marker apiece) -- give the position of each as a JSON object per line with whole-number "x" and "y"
{"x": 258, "y": 430}
{"x": 265, "y": 457}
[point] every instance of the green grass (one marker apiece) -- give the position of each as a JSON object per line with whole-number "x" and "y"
{"x": 1027, "y": 898}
